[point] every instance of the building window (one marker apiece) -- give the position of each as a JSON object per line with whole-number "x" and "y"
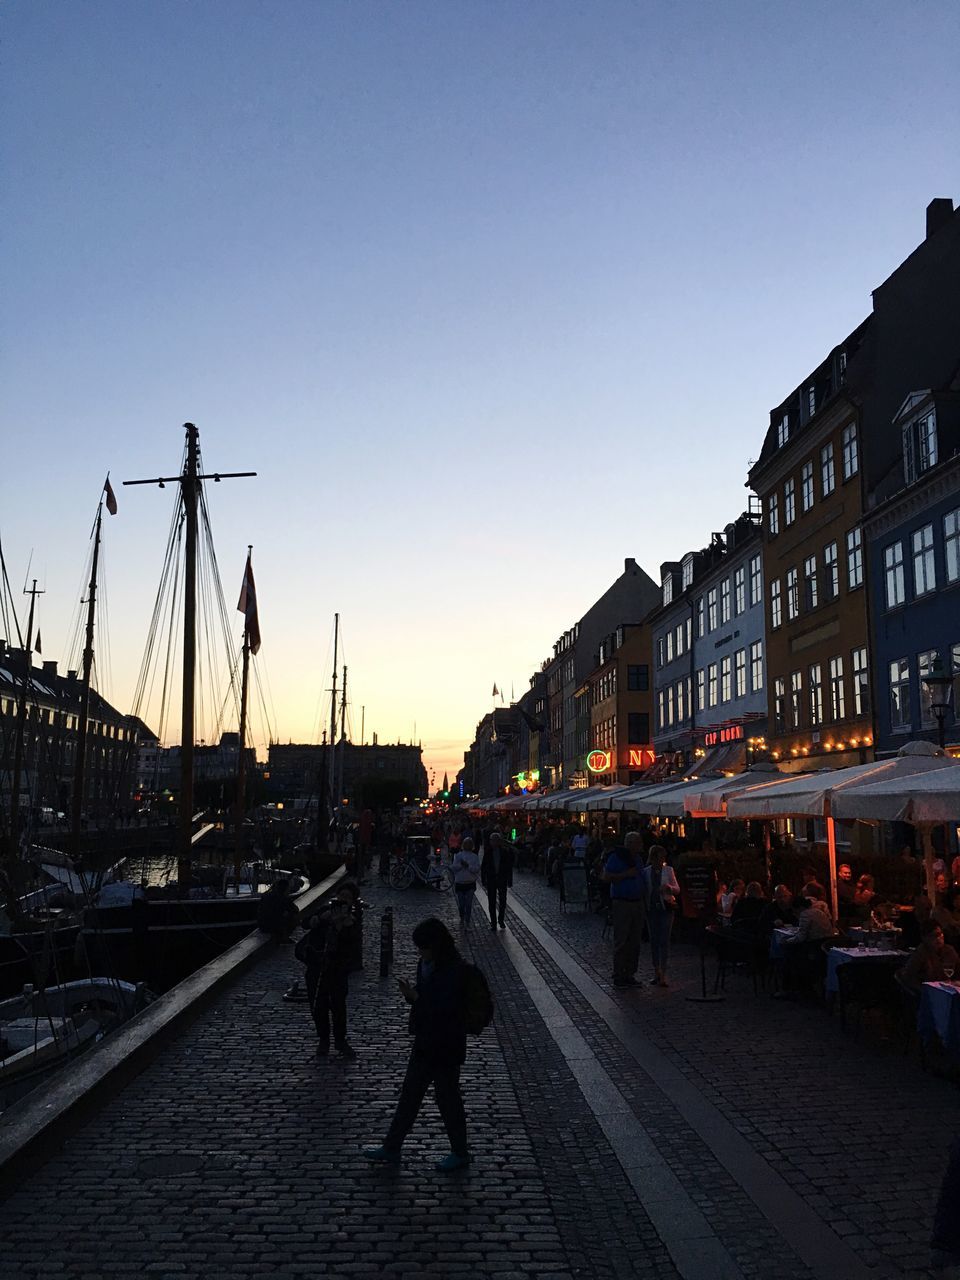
{"x": 861, "y": 683}
{"x": 793, "y": 595}
{"x": 638, "y": 677}
{"x": 925, "y": 663}
{"x": 806, "y": 486}
{"x": 841, "y": 368}
{"x": 810, "y": 581}
{"x": 951, "y": 544}
{"x": 701, "y": 618}
{"x": 712, "y": 684}
{"x": 740, "y": 590}
{"x": 851, "y": 455}
{"x": 756, "y": 581}
{"x": 726, "y": 682}
{"x": 900, "y": 694}
{"x": 661, "y": 651}
{"x": 924, "y": 569}
{"x": 955, "y": 657}
{"x": 712, "y": 609}
{"x": 670, "y": 704}
{"x": 831, "y": 571}
{"x": 811, "y": 400}
{"x": 837, "y": 702}
{"x": 816, "y": 696}
{"x": 783, "y": 431}
{"x": 854, "y": 559}
{"x": 725, "y": 601}
{"x": 687, "y": 572}
{"x": 776, "y": 605}
{"x": 740, "y": 673}
{"x": 893, "y": 574}
{"x": 701, "y": 690}
{"x": 796, "y": 699}
{"x": 681, "y": 716}
{"x": 773, "y": 515}
{"x": 669, "y": 647}
{"x": 790, "y": 501}
{"x": 661, "y": 722}
{"x": 779, "y": 705}
{"x": 919, "y": 446}
{"x": 756, "y": 666}
{"x": 828, "y": 475}
{"x": 638, "y": 728}
{"x": 668, "y": 589}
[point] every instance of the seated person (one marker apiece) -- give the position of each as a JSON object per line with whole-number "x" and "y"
{"x": 802, "y": 961}
{"x": 746, "y": 913}
{"x": 947, "y": 915}
{"x": 777, "y": 913}
{"x": 815, "y": 920}
{"x": 845, "y": 890}
{"x": 729, "y": 900}
{"x": 864, "y": 896}
{"x": 930, "y": 960}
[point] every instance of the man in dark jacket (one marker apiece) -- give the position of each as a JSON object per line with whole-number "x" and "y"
{"x": 437, "y": 1020}
{"x": 329, "y": 952}
{"x": 496, "y": 876}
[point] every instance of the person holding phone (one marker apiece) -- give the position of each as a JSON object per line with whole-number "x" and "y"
{"x": 436, "y": 1001}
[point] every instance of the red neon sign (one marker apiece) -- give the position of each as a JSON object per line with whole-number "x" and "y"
{"x": 732, "y": 733}
{"x": 598, "y": 761}
{"x": 640, "y": 757}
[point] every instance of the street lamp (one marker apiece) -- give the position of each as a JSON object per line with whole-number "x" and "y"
{"x": 940, "y": 685}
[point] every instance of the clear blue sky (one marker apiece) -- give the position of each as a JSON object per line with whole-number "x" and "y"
{"x": 490, "y": 294}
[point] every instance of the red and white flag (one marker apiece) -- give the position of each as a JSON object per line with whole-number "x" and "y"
{"x": 247, "y": 605}
{"x": 496, "y": 691}
{"x": 111, "y": 496}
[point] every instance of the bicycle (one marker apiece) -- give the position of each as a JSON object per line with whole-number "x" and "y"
{"x": 437, "y": 877}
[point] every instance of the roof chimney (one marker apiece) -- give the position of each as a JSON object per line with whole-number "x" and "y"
{"x": 50, "y": 668}
{"x": 939, "y": 213}
{"x": 629, "y": 563}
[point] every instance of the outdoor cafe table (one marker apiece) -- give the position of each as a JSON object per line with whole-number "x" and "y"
{"x": 786, "y": 934}
{"x": 837, "y": 956}
{"x": 940, "y": 1014}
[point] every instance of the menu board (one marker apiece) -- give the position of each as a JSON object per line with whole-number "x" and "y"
{"x": 574, "y": 884}
{"x": 698, "y": 888}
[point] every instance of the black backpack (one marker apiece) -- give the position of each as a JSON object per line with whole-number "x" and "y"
{"x": 477, "y": 1000}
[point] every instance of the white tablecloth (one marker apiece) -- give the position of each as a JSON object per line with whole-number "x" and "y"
{"x": 837, "y": 956}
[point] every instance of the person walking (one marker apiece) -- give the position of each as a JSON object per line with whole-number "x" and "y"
{"x": 662, "y": 894}
{"x": 328, "y": 949}
{"x": 623, "y": 872}
{"x": 496, "y": 875}
{"x": 466, "y": 868}
{"x": 437, "y": 1019}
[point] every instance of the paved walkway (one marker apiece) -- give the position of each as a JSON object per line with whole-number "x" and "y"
{"x": 615, "y": 1134}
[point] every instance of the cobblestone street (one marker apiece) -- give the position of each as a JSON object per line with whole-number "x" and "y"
{"x": 614, "y": 1134}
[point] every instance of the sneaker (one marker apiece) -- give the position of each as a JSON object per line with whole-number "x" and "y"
{"x": 451, "y": 1162}
{"x": 346, "y": 1050}
{"x": 380, "y": 1155}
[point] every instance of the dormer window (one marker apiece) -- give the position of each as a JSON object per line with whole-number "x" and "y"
{"x": 783, "y": 431}
{"x": 811, "y": 400}
{"x": 687, "y": 572}
{"x": 841, "y": 368}
{"x": 919, "y": 446}
{"x": 668, "y": 589}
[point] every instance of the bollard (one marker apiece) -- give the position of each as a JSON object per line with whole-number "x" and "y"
{"x": 386, "y": 941}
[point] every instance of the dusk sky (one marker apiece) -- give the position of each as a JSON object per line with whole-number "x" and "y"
{"x": 491, "y": 296}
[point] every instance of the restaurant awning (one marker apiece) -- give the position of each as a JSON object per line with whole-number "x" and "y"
{"x": 659, "y": 799}
{"x": 595, "y": 798}
{"x": 927, "y": 797}
{"x": 710, "y": 801}
{"x": 728, "y": 757}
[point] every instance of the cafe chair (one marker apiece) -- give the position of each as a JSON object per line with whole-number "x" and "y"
{"x": 866, "y": 986}
{"x": 733, "y": 950}
{"x": 909, "y": 1010}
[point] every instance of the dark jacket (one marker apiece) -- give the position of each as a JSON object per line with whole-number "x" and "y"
{"x": 277, "y": 913}
{"x": 326, "y": 949}
{"x": 436, "y": 1016}
{"x": 505, "y": 873}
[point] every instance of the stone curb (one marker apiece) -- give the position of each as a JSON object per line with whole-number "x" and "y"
{"x": 33, "y": 1128}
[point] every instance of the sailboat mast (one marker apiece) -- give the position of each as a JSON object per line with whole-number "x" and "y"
{"x": 333, "y": 717}
{"x": 21, "y": 726}
{"x": 343, "y": 739}
{"x": 76, "y": 807}
{"x": 242, "y": 758}
{"x": 189, "y": 487}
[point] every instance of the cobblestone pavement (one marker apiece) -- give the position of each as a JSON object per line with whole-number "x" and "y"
{"x": 856, "y": 1129}
{"x": 237, "y": 1152}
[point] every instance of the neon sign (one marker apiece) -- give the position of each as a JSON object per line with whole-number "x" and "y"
{"x": 732, "y": 733}
{"x": 598, "y": 761}
{"x": 640, "y": 757}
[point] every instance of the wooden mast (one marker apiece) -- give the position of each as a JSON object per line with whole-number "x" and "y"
{"x": 22, "y": 724}
{"x": 334, "y": 802}
{"x": 76, "y": 805}
{"x": 241, "y": 759}
{"x": 342, "y": 745}
{"x": 189, "y": 481}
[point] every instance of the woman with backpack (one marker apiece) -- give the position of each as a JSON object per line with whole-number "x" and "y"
{"x": 448, "y": 998}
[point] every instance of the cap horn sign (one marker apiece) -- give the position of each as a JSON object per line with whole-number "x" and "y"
{"x": 598, "y": 761}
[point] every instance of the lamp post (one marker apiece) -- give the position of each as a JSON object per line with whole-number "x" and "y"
{"x": 940, "y": 684}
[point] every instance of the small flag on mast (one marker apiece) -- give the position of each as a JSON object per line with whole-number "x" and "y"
{"x": 36, "y": 644}
{"x": 111, "y": 496}
{"x": 496, "y": 691}
{"x": 247, "y": 605}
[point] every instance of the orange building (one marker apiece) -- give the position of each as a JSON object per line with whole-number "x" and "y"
{"x": 621, "y": 701}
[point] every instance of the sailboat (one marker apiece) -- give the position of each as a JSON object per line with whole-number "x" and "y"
{"x": 163, "y": 934}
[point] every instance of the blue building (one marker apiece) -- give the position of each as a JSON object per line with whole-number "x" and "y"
{"x": 913, "y": 536}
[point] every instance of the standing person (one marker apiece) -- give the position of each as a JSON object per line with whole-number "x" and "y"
{"x": 328, "y": 950}
{"x": 437, "y": 1019}
{"x": 466, "y": 868}
{"x": 623, "y": 872}
{"x": 580, "y": 844}
{"x": 662, "y": 895}
{"x": 496, "y": 875}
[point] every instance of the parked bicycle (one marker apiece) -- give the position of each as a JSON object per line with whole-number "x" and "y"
{"x": 435, "y": 876}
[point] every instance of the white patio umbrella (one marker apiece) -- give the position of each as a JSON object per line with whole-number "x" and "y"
{"x": 662, "y": 799}
{"x": 595, "y": 798}
{"x": 709, "y": 800}
{"x": 812, "y": 795}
